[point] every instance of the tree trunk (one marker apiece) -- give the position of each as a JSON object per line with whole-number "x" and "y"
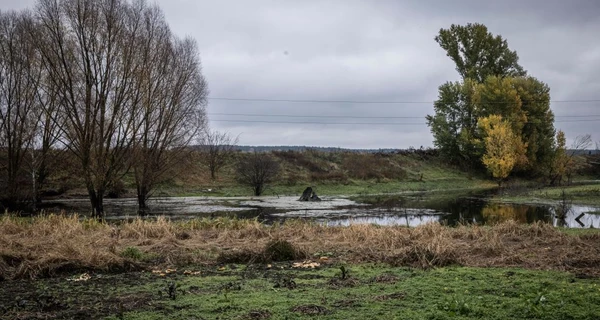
{"x": 97, "y": 202}
{"x": 258, "y": 189}
{"x": 213, "y": 172}
{"x": 142, "y": 194}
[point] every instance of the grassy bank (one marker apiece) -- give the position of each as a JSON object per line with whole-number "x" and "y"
{"x": 58, "y": 267}
{"x": 583, "y": 193}
{"x": 330, "y": 173}
{"x": 285, "y": 291}
{"x": 48, "y": 246}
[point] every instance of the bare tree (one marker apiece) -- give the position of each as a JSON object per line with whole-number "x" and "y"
{"x": 217, "y": 148}
{"x": 256, "y": 171}
{"x": 593, "y": 160}
{"x": 20, "y": 78}
{"x": 44, "y": 156}
{"x": 172, "y": 95}
{"x": 576, "y": 160}
{"x": 87, "y": 52}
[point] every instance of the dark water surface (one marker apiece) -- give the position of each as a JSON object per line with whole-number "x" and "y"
{"x": 411, "y": 210}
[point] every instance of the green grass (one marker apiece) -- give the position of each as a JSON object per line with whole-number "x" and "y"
{"x": 585, "y": 194}
{"x": 300, "y": 170}
{"x": 353, "y": 187}
{"x": 400, "y": 293}
{"x": 579, "y": 231}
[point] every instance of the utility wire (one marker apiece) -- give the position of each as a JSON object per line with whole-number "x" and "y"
{"x": 310, "y": 116}
{"x": 376, "y": 102}
{"x": 347, "y": 117}
{"x": 312, "y": 122}
{"x": 362, "y": 123}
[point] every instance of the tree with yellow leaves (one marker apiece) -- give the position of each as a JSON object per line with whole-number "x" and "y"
{"x": 503, "y": 148}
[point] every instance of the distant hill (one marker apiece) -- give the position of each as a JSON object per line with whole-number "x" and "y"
{"x": 337, "y": 149}
{"x": 303, "y": 148}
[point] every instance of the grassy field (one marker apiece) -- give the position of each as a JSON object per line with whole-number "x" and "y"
{"x": 297, "y": 291}
{"x": 334, "y": 173}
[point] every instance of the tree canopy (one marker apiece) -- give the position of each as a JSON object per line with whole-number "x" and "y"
{"x": 502, "y": 146}
{"x": 479, "y": 54}
{"x": 493, "y": 84}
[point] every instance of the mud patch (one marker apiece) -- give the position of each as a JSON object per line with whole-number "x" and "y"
{"x": 258, "y": 314}
{"x": 343, "y": 283}
{"x": 393, "y": 296}
{"x": 385, "y": 278}
{"x": 311, "y": 309}
{"x": 347, "y": 304}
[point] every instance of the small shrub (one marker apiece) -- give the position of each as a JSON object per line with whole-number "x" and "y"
{"x": 116, "y": 189}
{"x": 132, "y": 253}
{"x": 282, "y": 250}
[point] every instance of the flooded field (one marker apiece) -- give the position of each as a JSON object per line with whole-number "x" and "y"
{"x": 410, "y": 210}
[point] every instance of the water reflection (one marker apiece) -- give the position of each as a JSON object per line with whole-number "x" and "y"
{"x": 496, "y": 212}
{"x": 410, "y": 211}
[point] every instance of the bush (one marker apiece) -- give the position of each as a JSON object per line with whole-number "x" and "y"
{"x": 116, "y": 189}
{"x": 256, "y": 171}
{"x": 132, "y": 253}
{"x": 282, "y": 250}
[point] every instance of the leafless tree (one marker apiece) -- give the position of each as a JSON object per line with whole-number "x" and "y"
{"x": 257, "y": 170}
{"x": 576, "y": 160}
{"x": 20, "y": 79}
{"x": 593, "y": 160}
{"x": 86, "y": 49}
{"x": 172, "y": 95}
{"x": 218, "y": 149}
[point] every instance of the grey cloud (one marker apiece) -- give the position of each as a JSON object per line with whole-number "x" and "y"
{"x": 372, "y": 51}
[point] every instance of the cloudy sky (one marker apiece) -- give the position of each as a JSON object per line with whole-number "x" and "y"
{"x": 332, "y": 52}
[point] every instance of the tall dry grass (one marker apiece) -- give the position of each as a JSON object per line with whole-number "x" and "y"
{"x": 49, "y": 245}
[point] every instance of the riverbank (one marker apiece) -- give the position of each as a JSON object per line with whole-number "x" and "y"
{"x": 66, "y": 267}
{"x": 584, "y": 192}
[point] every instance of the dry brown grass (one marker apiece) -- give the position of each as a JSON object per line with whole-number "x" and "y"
{"x": 49, "y": 245}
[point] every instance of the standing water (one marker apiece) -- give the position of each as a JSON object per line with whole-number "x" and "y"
{"x": 339, "y": 211}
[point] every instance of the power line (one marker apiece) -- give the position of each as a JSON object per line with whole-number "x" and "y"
{"x": 299, "y": 116}
{"x": 360, "y": 123}
{"x": 312, "y": 122}
{"x": 376, "y": 102}
{"x": 345, "y": 117}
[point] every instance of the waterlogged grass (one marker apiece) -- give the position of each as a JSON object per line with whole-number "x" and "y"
{"x": 369, "y": 291}
{"x": 586, "y": 194}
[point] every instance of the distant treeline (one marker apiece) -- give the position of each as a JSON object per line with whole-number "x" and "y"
{"x": 383, "y": 150}
{"x": 322, "y": 149}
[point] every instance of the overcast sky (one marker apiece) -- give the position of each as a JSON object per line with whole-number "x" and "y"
{"x": 383, "y": 50}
